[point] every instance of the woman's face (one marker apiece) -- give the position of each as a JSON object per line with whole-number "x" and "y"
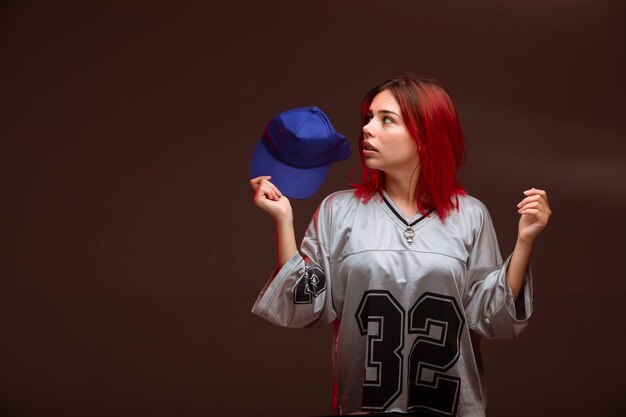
{"x": 387, "y": 144}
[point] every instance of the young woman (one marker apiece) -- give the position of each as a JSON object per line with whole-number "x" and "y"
{"x": 406, "y": 266}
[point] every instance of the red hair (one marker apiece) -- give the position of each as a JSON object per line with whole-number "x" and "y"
{"x": 430, "y": 116}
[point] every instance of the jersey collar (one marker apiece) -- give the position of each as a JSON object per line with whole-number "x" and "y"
{"x": 397, "y": 214}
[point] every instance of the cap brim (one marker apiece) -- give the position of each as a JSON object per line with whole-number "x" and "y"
{"x": 291, "y": 181}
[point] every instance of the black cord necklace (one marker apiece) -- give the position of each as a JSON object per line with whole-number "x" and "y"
{"x": 408, "y": 233}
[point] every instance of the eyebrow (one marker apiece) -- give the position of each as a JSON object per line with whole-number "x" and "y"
{"x": 386, "y": 112}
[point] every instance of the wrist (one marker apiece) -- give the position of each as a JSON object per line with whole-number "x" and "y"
{"x": 524, "y": 244}
{"x": 284, "y": 220}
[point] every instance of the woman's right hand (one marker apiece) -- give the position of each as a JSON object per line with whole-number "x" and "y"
{"x": 269, "y": 198}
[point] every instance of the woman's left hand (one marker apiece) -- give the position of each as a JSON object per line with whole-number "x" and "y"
{"x": 535, "y": 213}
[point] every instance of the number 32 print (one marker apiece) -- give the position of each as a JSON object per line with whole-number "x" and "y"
{"x": 437, "y": 322}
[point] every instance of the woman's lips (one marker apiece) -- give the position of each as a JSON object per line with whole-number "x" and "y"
{"x": 368, "y": 147}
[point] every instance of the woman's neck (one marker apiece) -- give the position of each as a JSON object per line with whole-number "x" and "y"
{"x": 403, "y": 191}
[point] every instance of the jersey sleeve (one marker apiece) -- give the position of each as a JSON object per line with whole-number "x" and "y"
{"x": 490, "y": 307}
{"x": 298, "y": 294}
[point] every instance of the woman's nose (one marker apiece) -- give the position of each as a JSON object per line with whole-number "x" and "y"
{"x": 367, "y": 131}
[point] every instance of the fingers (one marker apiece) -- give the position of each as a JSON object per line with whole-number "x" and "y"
{"x": 535, "y": 205}
{"x": 529, "y": 205}
{"x": 537, "y": 199}
{"x": 267, "y": 190}
{"x": 275, "y": 190}
{"x": 539, "y": 214}
{"x": 535, "y": 213}
{"x": 254, "y": 182}
{"x": 264, "y": 182}
{"x": 535, "y": 191}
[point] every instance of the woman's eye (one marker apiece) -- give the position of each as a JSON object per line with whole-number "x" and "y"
{"x": 387, "y": 119}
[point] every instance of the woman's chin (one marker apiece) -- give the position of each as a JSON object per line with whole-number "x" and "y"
{"x": 371, "y": 163}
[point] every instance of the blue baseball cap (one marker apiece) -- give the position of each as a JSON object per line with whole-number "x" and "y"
{"x": 296, "y": 150}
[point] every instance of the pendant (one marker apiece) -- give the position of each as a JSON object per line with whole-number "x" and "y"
{"x": 408, "y": 234}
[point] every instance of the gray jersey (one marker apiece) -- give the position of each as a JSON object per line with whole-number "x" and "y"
{"x": 408, "y": 306}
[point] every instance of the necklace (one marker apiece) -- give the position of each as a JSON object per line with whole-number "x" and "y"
{"x": 408, "y": 233}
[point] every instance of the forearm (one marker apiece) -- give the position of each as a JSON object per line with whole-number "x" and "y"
{"x": 516, "y": 270}
{"x": 286, "y": 240}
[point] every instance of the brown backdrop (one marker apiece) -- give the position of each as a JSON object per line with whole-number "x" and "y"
{"x": 132, "y": 252}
